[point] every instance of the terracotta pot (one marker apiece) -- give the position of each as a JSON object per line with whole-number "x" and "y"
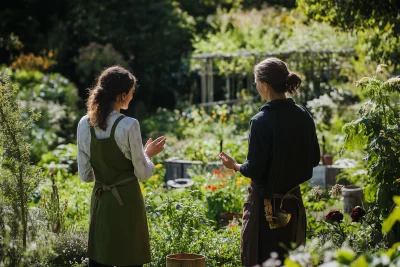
{"x": 186, "y": 260}
{"x": 327, "y": 159}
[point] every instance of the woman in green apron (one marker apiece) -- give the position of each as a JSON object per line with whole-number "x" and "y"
{"x": 110, "y": 152}
{"x": 283, "y": 149}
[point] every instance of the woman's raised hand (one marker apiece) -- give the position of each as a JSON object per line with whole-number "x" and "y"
{"x": 227, "y": 160}
{"x": 152, "y": 148}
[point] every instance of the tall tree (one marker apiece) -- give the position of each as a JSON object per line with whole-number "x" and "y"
{"x": 379, "y": 18}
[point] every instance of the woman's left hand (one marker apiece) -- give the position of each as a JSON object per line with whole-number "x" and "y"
{"x": 227, "y": 160}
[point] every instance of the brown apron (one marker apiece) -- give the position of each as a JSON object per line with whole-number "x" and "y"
{"x": 258, "y": 240}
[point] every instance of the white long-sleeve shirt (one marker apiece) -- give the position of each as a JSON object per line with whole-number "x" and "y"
{"x": 128, "y": 138}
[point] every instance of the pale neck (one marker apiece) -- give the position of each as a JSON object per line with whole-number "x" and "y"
{"x": 117, "y": 107}
{"x": 275, "y": 96}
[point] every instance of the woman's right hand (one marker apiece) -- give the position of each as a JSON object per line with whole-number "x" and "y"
{"x": 152, "y": 148}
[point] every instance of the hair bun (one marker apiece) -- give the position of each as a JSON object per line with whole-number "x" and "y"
{"x": 293, "y": 82}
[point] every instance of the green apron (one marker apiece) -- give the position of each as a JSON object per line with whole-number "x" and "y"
{"x": 118, "y": 231}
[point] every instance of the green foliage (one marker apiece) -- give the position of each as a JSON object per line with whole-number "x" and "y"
{"x": 73, "y": 191}
{"x": 196, "y": 133}
{"x": 224, "y": 191}
{"x": 18, "y": 178}
{"x": 70, "y": 249}
{"x": 10, "y": 42}
{"x": 92, "y": 59}
{"x": 377, "y": 19}
{"x": 56, "y": 99}
{"x": 183, "y": 223}
{"x": 393, "y": 217}
{"x": 377, "y": 132}
{"x": 266, "y": 30}
{"x": 62, "y": 157}
{"x": 316, "y": 253}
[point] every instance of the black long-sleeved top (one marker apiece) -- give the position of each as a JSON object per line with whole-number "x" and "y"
{"x": 283, "y": 147}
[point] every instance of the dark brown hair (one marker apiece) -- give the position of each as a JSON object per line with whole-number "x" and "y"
{"x": 111, "y": 83}
{"x": 274, "y": 72}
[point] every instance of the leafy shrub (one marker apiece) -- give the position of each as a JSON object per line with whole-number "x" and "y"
{"x": 183, "y": 223}
{"x": 376, "y": 132}
{"x": 56, "y": 99}
{"x": 94, "y": 58}
{"x": 70, "y": 250}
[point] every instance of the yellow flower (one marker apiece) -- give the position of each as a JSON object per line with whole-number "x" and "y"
{"x": 202, "y": 111}
{"x": 142, "y": 189}
{"x": 159, "y": 165}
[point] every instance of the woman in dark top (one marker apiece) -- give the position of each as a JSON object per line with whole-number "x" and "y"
{"x": 283, "y": 149}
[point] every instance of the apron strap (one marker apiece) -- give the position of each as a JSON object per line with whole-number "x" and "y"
{"x": 92, "y": 133}
{"x": 115, "y": 125}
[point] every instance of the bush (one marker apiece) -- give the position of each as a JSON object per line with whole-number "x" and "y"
{"x": 55, "y": 97}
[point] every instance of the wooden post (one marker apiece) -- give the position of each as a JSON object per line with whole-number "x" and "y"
{"x": 210, "y": 80}
{"x": 228, "y": 88}
{"x": 203, "y": 83}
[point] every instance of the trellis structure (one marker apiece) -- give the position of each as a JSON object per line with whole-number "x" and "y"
{"x": 313, "y": 65}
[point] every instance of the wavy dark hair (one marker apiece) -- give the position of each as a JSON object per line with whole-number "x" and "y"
{"x": 112, "y": 82}
{"x": 275, "y": 72}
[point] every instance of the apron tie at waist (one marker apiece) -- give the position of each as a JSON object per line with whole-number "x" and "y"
{"x": 100, "y": 187}
{"x": 113, "y": 188}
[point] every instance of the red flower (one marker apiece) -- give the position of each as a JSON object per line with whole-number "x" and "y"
{"x": 208, "y": 187}
{"x": 357, "y": 214}
{"x": 213, "y": 188}
{"x": 231, "y": 172}
{"x": 215, "y": 172}
{"x": 334, "y": 216}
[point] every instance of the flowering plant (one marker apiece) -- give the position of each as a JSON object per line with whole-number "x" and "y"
{"x": 225, "y": 191}
{"x": 53, "y": 210}
{"x": 357, "y": 214}
{"x": 334, "y": 216}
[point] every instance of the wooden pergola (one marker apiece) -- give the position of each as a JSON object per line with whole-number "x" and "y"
{"x": 314, "y": 65}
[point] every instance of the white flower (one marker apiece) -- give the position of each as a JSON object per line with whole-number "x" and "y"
{"x": 380, "y": 68}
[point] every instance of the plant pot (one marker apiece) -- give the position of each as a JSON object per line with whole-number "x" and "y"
{"x": 186, "y": 260}
{"x": 327, "y": 159}
{"x": 353, "y": 196}
{"x": 180, "y": 183}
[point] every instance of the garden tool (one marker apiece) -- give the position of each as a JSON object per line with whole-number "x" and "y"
{"x": 275, "y": 219}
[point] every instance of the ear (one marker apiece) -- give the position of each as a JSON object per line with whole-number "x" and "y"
{"x": 123, "y": 97}
{"x": 265, "y": 86}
